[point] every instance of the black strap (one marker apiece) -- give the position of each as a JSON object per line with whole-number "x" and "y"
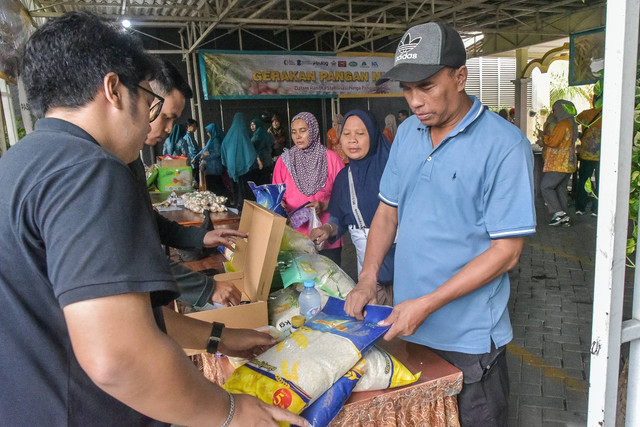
{"x": 214, "y": 338}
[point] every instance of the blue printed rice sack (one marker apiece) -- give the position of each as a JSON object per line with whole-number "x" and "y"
{"x": 297, "y": 371}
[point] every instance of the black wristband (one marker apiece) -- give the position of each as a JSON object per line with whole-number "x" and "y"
{"x": 214, "y": 339}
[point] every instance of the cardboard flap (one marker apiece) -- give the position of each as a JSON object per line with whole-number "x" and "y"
{"x": 228, "y": 277}
{"x": 258, "y": 256}
{"x": 248, "y": 316}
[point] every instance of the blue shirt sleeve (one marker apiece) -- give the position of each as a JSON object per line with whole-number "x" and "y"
{"x": 508, "y": 194}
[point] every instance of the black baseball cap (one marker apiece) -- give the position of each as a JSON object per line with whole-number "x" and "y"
{"x": 424, "y": 50}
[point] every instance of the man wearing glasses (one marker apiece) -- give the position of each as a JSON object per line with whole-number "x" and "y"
{"x": 85, "y": 338}
{"x": 195, "y": 288}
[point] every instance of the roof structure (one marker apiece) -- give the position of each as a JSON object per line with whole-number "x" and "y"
{"x": 339, "y": 25}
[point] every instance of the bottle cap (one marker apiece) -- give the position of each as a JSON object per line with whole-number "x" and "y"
{"x": 309, "y": 283}
{"x": 297, "y": 321}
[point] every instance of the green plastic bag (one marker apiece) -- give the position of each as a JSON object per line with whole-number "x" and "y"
{"x": 330, "y": 279}
{"x": 175, "y": 179}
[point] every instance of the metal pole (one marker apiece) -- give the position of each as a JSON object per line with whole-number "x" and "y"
{"x": 199, "y": 100}
{"x": 9, "y": 114}
{"x": 615, "y": 171}
{"x": 632, "y": 413}
{"x": 3, "y": 140}
{"x": 221, "y": 117}
{"x": 25, "y": 111}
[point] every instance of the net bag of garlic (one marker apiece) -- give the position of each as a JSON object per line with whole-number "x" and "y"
{"x": 198, "y": 201}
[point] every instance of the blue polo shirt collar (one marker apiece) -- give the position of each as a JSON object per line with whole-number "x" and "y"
{"x": 472, "y": 115}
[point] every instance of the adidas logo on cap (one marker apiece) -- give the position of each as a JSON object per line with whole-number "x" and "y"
{"x": 407, "y": 44}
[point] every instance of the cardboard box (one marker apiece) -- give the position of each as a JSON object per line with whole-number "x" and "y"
{"x": 254, "y": 262}
{"x": 171, "y": 163}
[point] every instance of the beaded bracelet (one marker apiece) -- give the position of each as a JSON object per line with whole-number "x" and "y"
{"x": 232, "y": 410}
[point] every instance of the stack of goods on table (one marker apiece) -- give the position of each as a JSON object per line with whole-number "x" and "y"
{"x": 314, "y": 369}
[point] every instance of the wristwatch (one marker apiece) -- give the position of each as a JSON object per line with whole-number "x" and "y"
{"x": 214, "y": 339}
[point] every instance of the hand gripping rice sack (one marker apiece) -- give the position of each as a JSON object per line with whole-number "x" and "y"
{"x": 270, "y": 196}
{"x": 325, "y": 409}
{"x": 295, "y": 241}
{"x": 384, "y": 371}
{"x": 329, "y": 277}
{"x": 297, "y": 371}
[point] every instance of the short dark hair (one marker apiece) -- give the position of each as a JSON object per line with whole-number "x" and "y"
{"x": 169, "y": 78}
{"x": 192, "y": 122}
{"x": 404, "y": 112}
{"x": 65, "y": 61}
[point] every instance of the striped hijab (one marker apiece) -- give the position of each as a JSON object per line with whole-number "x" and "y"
{"x": 308, "y": 167}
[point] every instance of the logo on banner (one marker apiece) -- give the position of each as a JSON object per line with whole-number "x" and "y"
{"x": 353, "y": 64}
{"x": 342, "y": 64}
{"x": 374, "y": 64}
{"x": 407, "y": 45}
{"x": 289, "y": 62}
{"x": 364, "y": 65}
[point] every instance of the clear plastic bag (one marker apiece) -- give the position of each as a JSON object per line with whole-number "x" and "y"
{"x": 314, "y": 222}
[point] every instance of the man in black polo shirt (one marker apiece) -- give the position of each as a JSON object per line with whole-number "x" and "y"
{"x": 83, "y": 276}
{"x": 195, "y": 288}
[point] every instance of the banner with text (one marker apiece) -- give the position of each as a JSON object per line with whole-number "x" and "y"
{"x": 228, "y": 75}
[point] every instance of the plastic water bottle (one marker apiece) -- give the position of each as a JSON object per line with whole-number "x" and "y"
{"x": 309, "y": 300}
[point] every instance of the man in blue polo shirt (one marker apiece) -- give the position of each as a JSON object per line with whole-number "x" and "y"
{"x": 458, "y": 190}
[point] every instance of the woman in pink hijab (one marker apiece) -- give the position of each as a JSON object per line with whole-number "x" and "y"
{"x": 309, "y": 170}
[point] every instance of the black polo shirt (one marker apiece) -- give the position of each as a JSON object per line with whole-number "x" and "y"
{"x": 72, "y": 228}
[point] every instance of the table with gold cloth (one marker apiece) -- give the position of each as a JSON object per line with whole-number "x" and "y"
{"x": 431, "y": 401}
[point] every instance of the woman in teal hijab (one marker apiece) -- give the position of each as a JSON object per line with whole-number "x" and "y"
{"x": 212, "y": 159}
{"x": 263, "y": 143}
{"x": 177, "y": 132}
{"x": 240, "y": 157}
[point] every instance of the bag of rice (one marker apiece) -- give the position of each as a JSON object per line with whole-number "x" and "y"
{"x": 384, "y": 371}
{"x": 325, "y": 409}
{"x": 298, "y": 370}
{"x": 377, "y": 370}
{"x": 295, "y": 241}
{"x": 329, "y": 277}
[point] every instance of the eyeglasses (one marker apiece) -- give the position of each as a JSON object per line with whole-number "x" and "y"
{"x": 154, "y": 110}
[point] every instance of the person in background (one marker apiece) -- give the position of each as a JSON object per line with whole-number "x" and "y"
{"x": 461, "y": 205}
{"x": 212, "y": 155}
{"x": 559, "y": 163}
{"x": 188, "y": 146}
{"x": 354, "y": 198}
{"x": 309, "y": 171}
{"x": 589, "y": 156}
{"x": 503, "y": 113}
{"x": 240, "y": 158}
{"x": 280, "y": 136}
{"x": 171, "y": 142}
{"x": 333, "y": 138}
{"x": 390, "y": 128}
{"x": 512, "y": 115}
{"x": 402, "y": 116}
{"x": 196, "y": 289}
{"x": 84, "y": 278}
{"x": 263, "y": 143}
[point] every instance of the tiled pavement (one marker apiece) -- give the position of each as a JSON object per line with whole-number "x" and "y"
{"x": 551, "y": 312}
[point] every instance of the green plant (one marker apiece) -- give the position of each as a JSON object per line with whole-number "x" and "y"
{"x": 635, "y": 175}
